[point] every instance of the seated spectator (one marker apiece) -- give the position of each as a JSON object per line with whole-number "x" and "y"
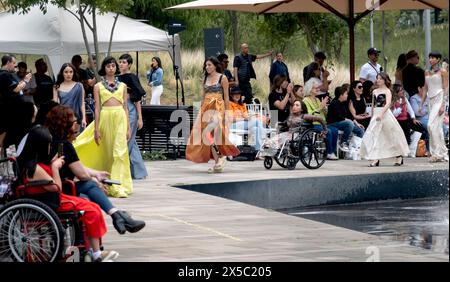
{"x": 299, "y": 95}
{"x": 36, "y": 164}
{"x": 63, "y": 126}
{"x": 421, "y": 115}
{"x": 357, "y": 104}
{"x": 337, "y": 117}
{"x": 281, "y": 97}
{"x": 404, "y": 113}
{"x": 320, "y": 78}
{"x": 241, "y": 120}
{"x": 319, "y": 108}
{"x": 44, "y": 83}
{"x": 295, "y": 120}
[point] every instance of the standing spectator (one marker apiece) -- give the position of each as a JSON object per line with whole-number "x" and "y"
{"x": 30, "y": 89}
{"x": 401, "y": 64}
{"x": 223, "y": 59}
{"x": 69, "y": 92}
{"x": 82, "y": 73}
{"x": 299, "y": 95}
{"x": 337, "y": 117}
{"x": 11, "y": 107}
{"x": 319, "y": 58}
{"x": 357, "y": 104}
{"x": 279, "y": 68}
{"x": 90, "y": 76}
{"x": 155, "y": 79}
{"x": 44, "y": 83}
{"x": 371, "y": 69}
{"x": 319, "y": 78}
{"x": 135, "y": 94}
{"x": 413, "y": 77}
{"x": 243, "y": 71}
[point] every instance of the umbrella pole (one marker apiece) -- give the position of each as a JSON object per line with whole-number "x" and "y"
{"x": 351, "y": 25}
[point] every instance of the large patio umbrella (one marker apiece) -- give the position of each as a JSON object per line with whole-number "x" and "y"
{"x": 351, "y": 11}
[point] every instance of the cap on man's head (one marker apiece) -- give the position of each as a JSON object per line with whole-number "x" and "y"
{"x": 235, "y": 90}
{"x": 373, "y": 51}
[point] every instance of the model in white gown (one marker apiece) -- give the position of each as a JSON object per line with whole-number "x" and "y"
{"x": 384, "y": 138}
{"x": 435, "y": 85}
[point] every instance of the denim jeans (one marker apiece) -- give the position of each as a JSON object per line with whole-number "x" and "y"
{"x": 346, "y": 126}
{"x": 256, "y": 127}
{"x": 332, "y": 135}
{"x": 137, "y": 166}
{"x": 95, "y": 194}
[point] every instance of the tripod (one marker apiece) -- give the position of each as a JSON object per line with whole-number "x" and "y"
{"x": 177, "y": 74}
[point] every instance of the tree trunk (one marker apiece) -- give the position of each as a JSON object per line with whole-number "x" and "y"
{"x": 112, "y": 34}
{"x": 234, "y": 31}
{"x": 94, "y": 32}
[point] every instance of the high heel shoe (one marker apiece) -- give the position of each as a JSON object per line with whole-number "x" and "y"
{"x": 122, "y": 222}
{"x": 397, "y": 163}
{"x": 374, "y": 164}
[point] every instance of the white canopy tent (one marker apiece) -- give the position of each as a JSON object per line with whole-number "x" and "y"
{"x": 57, "y": 34}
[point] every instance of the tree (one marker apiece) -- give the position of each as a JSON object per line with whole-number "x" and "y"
{"x": 82, "y": 10}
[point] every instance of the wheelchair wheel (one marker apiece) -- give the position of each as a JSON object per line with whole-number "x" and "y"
{"x": 291, "y": 163}
{"x": 312, "y": 149}
{"x": 268, "y": 162}
{"x": 30, "y": 232}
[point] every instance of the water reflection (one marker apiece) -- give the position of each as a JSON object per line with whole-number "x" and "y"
{"x": 422, "y": 223}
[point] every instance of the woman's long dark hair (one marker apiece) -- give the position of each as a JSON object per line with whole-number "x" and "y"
{"x": 60, "y": 77}
{"x": 351, "y": 91}
{"x": 159, "y": 62}
{"x": 36, "y": 150}
{"x": 215, "y": 62}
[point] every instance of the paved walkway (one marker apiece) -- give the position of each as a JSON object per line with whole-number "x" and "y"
{"x": 189, "y": 226}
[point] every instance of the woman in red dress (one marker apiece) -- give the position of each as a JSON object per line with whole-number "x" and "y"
{"x": 36, "y": 163}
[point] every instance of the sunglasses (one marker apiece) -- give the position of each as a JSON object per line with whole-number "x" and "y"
{"x": 359, "y": 87}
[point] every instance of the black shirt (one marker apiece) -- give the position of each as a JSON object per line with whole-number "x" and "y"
{"x": 360, "y": 106}
{"x": 228, "y": 74}
{"x": 337, "y": 111}
{"x": 282, "y": 114}
{"x": 134, "y": 87}
{"x": 70, "y": 156}
{"x": 413, "y": 78}
{"x": 245, "y": 67}
{"x": 44, "y": 89}
{"x": 7, "y": 97}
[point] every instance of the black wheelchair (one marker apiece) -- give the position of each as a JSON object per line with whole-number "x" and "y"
{"x": 304, "y": 144}
{"x": 31, "y": 227}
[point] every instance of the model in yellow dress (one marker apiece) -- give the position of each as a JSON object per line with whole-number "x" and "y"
{"x": 103, "y": 144}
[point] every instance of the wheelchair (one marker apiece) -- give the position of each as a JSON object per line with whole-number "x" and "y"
{"x": 302, "y": 144}
{"x": 31, "y": 227}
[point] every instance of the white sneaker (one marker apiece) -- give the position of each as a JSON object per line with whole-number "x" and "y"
{"x": 344, "y": 147}
{"x": 332, "y": 157}
{"x": 107, "y": 256}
